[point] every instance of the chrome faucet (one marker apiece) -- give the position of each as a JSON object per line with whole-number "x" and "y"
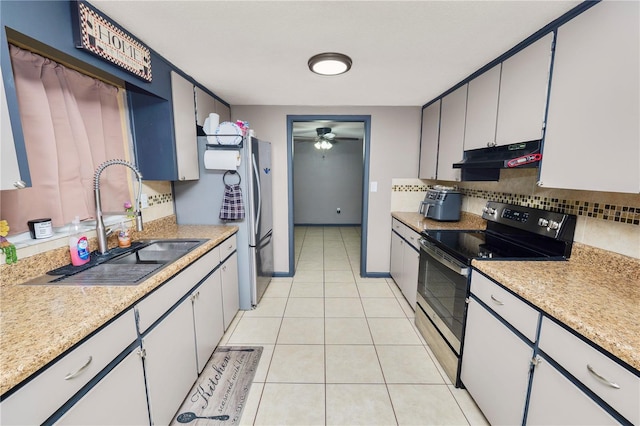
{"x": 100, "y": 229}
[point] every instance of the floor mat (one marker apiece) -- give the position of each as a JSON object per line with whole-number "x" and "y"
{"x": 220, "y": 393}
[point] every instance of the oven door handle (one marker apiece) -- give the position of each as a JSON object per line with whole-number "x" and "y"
{"x": 443, "y": 258}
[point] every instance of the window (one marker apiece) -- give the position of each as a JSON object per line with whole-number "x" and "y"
{"x": 72, "y": 123}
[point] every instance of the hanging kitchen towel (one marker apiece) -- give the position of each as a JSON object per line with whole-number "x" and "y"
{"x": 232, "y": 205}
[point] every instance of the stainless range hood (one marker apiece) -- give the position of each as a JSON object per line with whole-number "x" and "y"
{"x": 484, "y": 164}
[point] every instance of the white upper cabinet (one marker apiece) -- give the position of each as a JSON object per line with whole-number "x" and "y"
{"x": 429, "y": 141}
{"x": 482, "y": 110}
{"x": 507, "y": 103}
{"x": 185, "y": 128}
{"x": 452, "y": 133}
{"x": 592, "y": 140}
{"x": 524, "y": 86}
{"x": 205, "y": 105}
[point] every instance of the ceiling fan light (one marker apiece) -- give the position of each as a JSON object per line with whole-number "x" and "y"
{"x": 329, "y": 63}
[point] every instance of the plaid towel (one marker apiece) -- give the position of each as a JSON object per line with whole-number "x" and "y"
{"x": 232, "y": 205}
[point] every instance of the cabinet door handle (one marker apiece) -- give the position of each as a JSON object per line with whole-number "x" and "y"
{"x": 497, "y": 302}
{"x": 602, "y": 379}
{"x": 79, "y": 370}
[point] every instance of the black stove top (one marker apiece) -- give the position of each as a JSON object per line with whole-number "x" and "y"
{"x": 513, "y": 233}
{"x": 466, "y": 245}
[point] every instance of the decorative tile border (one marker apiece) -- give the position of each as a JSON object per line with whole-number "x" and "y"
{"x": 157, "y": 199}
{"x": 614, "y": 213}
{"x": 410, "y": 188}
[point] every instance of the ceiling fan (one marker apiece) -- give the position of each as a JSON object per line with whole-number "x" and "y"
{"x": 325, "y": 138}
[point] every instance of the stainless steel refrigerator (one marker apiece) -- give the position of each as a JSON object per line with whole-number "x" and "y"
{"x": 199, "y": 202}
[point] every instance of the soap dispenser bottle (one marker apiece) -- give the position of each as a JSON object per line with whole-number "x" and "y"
{"x": 78, "y": 245}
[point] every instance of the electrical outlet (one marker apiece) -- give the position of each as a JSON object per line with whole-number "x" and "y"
{"x": 144, "y": 201}
{"x": 338, "y": 210}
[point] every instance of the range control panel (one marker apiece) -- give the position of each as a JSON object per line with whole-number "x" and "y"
{"x": 555, "y": 225}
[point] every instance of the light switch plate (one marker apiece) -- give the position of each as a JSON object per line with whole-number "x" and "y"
{"x": 373, "y": 187}
{"x": 144, "y": 201}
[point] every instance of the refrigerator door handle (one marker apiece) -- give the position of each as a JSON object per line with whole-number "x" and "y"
{"x": 257, "y": 176}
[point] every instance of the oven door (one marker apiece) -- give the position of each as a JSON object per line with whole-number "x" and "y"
{"x": 442, "y": 290}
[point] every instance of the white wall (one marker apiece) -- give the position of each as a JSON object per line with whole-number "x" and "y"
{"x": 327, "y": 180}
{"x": 394, "y": 148}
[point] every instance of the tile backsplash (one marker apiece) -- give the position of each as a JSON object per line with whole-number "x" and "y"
{"x": 610, "y": 221}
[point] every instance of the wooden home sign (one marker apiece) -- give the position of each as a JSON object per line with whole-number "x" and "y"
{"x": 97, "y": 34}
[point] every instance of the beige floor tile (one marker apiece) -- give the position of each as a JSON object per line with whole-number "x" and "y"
{"x": 251, "y": 407}
{"x": 362, "y": 404}
{"x": 263, "y": 365}
{"x": 339, "y": 276}
{"x": 310, "y": 265}
{"x": 309, "y": 276}
{"x": 255, "y": 331}
{"x": 301, "y": 331}
{"x": 394, "y": 287}
{"x": 352, "y": 364}
{"x": 342, "y": 308}
{"x": 343, "y": 331}
{"x": 408, "y": 364}
{"x": 291, "y": 404}
{"x": 302, "y": 289}
{"x": 408, "y": 311}
{"x": 337, "y": 265}
{"x": 425, "y": 405}
{"x": 297, "y": 364}
{"x": 469, "y": 408}
{"x": 393, "y": 331}
{"x": 341, "y": 290}
{"x": 268, "y": 307}
{"x": 374, "y": 289}
{"x": 382, "y": 307}
{"x": 305, "y": 307}
{"x": 234, "y": 323}
{"x": 278, "y": 288}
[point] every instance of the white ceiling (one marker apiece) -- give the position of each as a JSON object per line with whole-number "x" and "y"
{"x": 404, "y": 52}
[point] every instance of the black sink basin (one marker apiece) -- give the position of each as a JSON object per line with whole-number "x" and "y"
{"x": 121, "y": 267}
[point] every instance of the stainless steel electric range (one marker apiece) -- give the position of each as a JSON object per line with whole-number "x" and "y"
{"x": 512, "y": 233}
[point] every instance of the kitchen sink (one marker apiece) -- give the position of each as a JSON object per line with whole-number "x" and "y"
{"x": 121, "y": 267}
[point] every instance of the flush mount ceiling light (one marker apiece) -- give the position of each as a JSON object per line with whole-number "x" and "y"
{"x": 329, "y": 63}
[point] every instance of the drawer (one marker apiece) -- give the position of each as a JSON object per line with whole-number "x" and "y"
{"x": 40, "y": 397}
{"x": 576, "y": 356}
{"x": 227, "y": 247}
{"x": 168, "y": 294}
{"x": 397, "y": 226}
{"x": 512, "y": 309}
{"x": 412, "y": 237}
{"x": 406, "y": 233}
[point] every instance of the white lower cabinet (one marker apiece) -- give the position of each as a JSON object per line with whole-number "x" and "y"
{"x": 170, "y": 362}
{"x": 118, "y": 399}
{"x": 43, "y": 395}
{"x": 495, "y": 367}
{"x": 498, "y": 367}
{"x": 555, "y": 400}
{"x": 616, "y": 385}
{"x": 405, "y": 261}
{"x": 230, "y": 292}
{"x": 207, "y": 317}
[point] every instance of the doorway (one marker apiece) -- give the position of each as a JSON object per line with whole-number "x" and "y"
{"x": 328, "y": 160}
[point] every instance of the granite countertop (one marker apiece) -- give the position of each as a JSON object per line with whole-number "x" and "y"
{"x": 39, "y": 323}
{"x": 595, "y": 292}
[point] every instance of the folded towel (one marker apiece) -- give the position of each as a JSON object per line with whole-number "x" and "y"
{"x": 232, "y": 205}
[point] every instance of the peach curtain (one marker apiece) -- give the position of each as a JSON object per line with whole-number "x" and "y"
{"x": 71, "y": 123}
